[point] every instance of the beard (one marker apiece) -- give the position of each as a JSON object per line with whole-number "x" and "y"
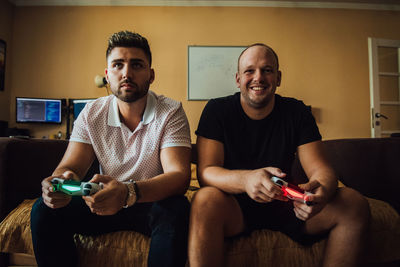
{"x": 135, "y": 93}
{"x": 260, "y": 102}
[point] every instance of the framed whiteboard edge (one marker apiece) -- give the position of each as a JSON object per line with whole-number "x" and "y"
{"x": 188, "y": 97}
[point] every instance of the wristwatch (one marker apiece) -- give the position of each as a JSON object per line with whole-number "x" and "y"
{"x": 132, "y": 194}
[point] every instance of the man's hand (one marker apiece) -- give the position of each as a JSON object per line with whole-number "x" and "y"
{"x": 318, "y": 196}
{"x": 56, "y": 200}
{"x": 323, "y": 182}
{"x": 259, "y": 187}
{"x": 110, "y": 199}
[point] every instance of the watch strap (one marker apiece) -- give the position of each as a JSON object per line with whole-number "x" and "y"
{"x": 131, "y": 197}
{"x": 136, "y": 190}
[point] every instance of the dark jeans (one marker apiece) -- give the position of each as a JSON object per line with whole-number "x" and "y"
{"x": 165, "y": 221}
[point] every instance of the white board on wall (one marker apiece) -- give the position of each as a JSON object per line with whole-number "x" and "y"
{"x": 211, "y": 71}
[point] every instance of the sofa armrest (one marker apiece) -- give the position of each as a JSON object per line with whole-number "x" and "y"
{"x": 23, "y": 165}
{"x": 369, "y": 165}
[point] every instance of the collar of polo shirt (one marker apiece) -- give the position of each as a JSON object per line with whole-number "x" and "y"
{"x": 148, "y": 115}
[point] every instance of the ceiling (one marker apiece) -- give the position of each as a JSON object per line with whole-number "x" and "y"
{"x": 353, "y": 4}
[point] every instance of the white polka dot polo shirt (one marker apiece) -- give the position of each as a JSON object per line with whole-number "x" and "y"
{"x": 123, "y": 154}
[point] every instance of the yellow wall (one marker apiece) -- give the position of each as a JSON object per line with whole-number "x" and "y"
{"x": 323, "y": 53}
{"x": 6, "y": 19}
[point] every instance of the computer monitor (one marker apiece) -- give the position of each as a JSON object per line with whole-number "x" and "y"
{"x": 75, "y": 106}
{"x": 78, "y": 105}
{"x": 41, "y": 110}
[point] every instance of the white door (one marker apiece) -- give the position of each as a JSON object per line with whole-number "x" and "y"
{"x": 384, "y": 73}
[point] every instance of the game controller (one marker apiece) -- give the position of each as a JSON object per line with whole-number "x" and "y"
{"x": 292, "y": 192}
{"x": 75, "y": 188}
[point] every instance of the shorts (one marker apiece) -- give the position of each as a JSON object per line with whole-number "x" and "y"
{"x": 277, "y": 216}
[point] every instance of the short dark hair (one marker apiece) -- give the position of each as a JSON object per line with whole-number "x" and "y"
{"x": 264, "y": 45}
{"x": 128, "y": 39}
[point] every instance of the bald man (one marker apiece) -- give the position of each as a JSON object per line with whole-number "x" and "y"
{"x": 243, "y": 141}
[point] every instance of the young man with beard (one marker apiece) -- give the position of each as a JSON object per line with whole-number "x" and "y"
{"x": 244, "y": 140}
{"x": 142, "y": 142}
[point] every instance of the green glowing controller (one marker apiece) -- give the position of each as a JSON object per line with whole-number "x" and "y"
{"x": 75, "y": 188}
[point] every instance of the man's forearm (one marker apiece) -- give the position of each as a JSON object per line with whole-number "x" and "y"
{"x": 327, "y": 180}
{"x": 230, "y": 181}
{"x": 163, "y": 186}
{"x": 77, "y": 158}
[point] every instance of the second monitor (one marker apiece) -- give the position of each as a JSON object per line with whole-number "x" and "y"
{"x": 77, "y": 105}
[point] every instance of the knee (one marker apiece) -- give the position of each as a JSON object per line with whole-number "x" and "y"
{"x": 43, "y": 218}
{"x": 208, "y": 201}
{"x": 353, "y": 206}
{"x": 39, "y": 213}
{"x": 38, "y": 207}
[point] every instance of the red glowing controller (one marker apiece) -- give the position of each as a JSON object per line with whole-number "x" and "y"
{"x": 291, "y": 191}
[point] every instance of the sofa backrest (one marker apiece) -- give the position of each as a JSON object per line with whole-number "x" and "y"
{"x": 371, "y": 166}
{"x": 24, "y": 163}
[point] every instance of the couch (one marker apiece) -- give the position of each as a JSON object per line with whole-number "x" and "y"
{"x": 372, "y": 166}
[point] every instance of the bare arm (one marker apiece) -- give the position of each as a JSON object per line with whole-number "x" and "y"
{"x": 77, "y": 158}
{"x": 322, "y": 180}
{"x": 175, "y": 179}
{"x": 256, "y": 183}
{"x": 210, "y": 170}
{"x": 76, "y": 161}
{"x": 317, "y": 168}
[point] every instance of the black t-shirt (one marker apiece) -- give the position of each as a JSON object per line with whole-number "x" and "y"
{"x": 252, "y": 144}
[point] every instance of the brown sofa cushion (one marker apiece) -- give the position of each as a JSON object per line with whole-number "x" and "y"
{"x": 15, "y": 230}
{"x": 261, "y": 246}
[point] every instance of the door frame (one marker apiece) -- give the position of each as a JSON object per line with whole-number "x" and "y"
{"x": 374, "y": 74}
